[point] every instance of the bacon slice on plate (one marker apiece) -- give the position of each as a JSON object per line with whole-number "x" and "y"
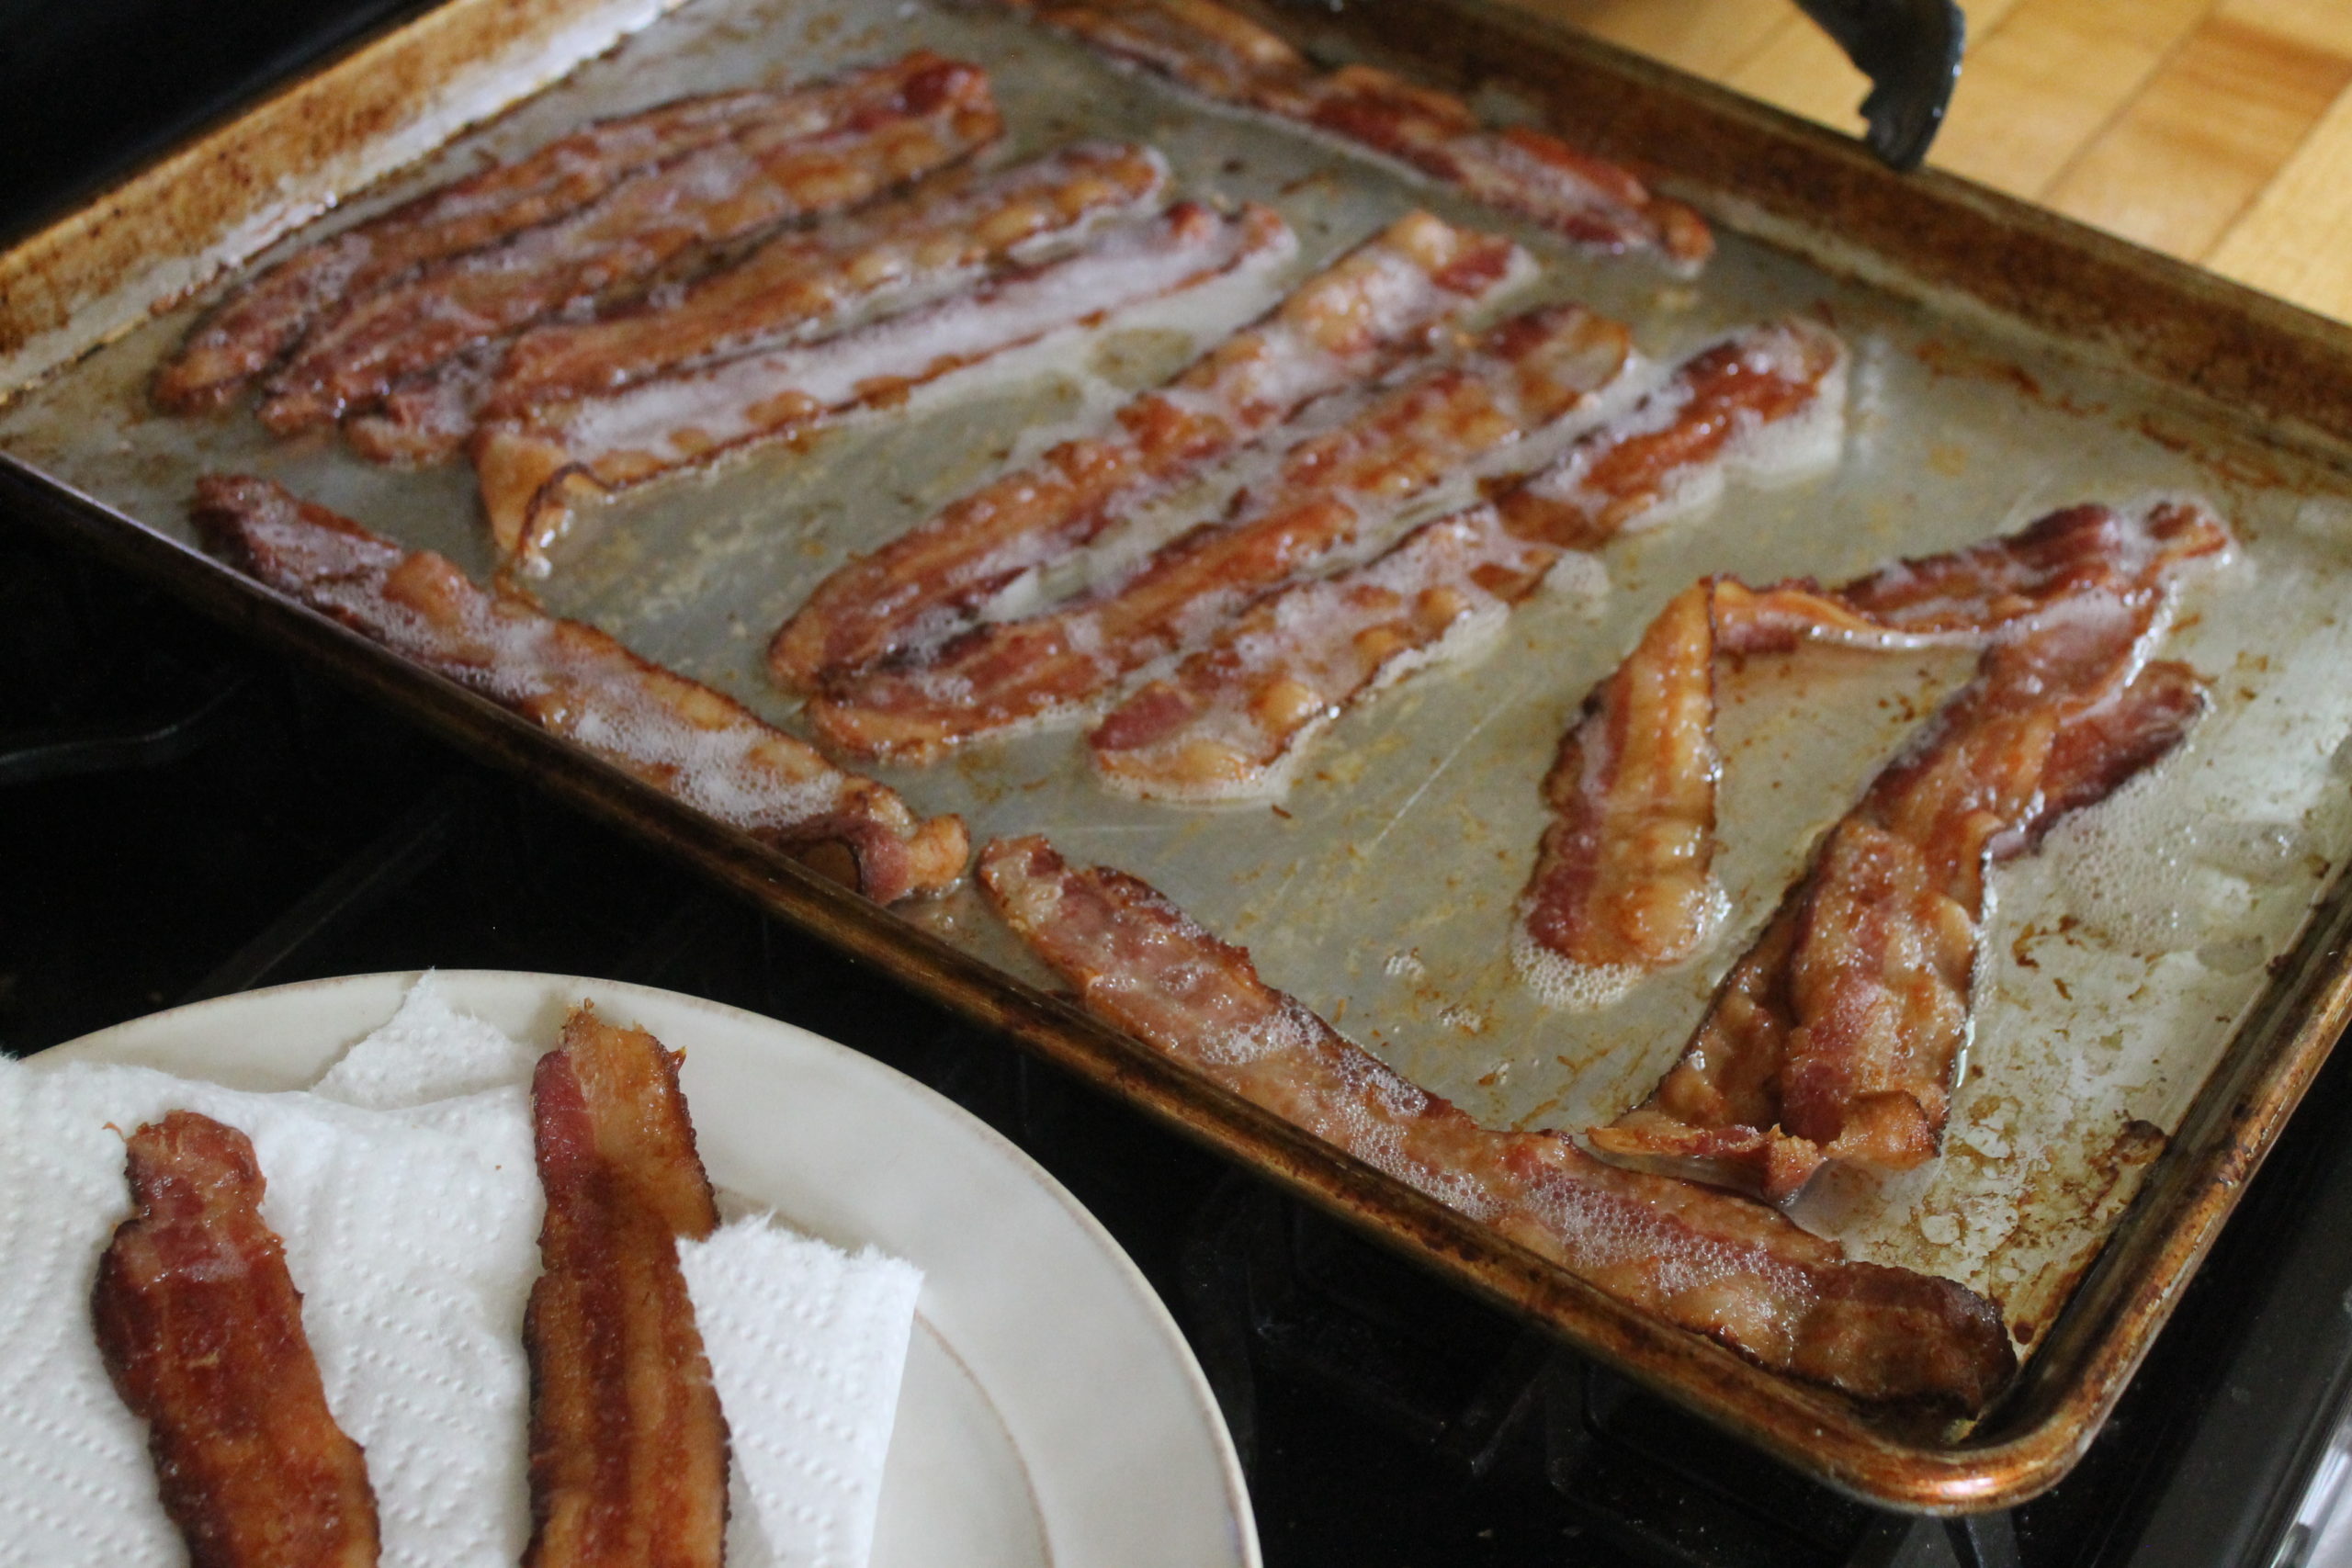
{"x": 1624, "y": 883}
{"x": 1224, "y": 56}
{"x": 572, "y": 680}
{"x": 628, "y": 1448}
{"x": 201, "y": 1327}
{"x": 246, "y": 333}
{"x": 1705, "y": 1261}
{"x": 1469, "y": 410}
{"x": 894, "y": 123}
{"x": 532, "y": 470}
{"x": 881, "y": 257}
{"x": 1234, "y": 719}
{"x": 1836, "y": 1035}
{"x": 1347, "y": 322}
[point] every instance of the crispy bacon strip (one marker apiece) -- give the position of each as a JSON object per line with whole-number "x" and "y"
{"x": 532, "y": 471}
{"x": 247, "y": 332}
{"x": 201, "y": 1327}
{"x": 898, "y": 121}
{"x": 1477, "y": 410}
{"x": 628, "y": 1448}
{"x": 1836, "y": 1035}
{"x": 1221, "y": 55}
{"x": 1715, "y": 1264}
{"x": 1347, "y": 322}
{"x": 572, "y": 680}
{"x": 880, "y": 258}
{"x": 1624, "y": 883}
{"x": 1233, "y": 720}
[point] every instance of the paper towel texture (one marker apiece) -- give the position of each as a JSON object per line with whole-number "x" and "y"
{"x": 404, "y": 1188}
{"x": 814, "y": 1340}
{"x": 413, "y": 1242}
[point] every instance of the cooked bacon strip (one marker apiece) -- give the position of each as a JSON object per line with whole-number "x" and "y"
{"x": 881, "y": 257}
{"x": 427, "y": 418}
{"x": 1837, "y": 1036}
{"x": 930, "y": 240}
{"x": 1347, "y": 323}
{"x": 572, "y": 680}
{"x": 246, "y": 333}
{"x": 1624, "y": 880}
{"x": 533, "y": 470}
{"x": 1528, "y": 373}
{"x": 898, "y": 121}
{"x": 628, "y": 1448}
{"x": 1719, "y": 1265}
{"x": 1233, "y": 720}
{"x": 1624, "y": 883}
{"x": 1963, "y": 595}
{"x": 201, "y": 1327}
{"x": 1224, "y": 56}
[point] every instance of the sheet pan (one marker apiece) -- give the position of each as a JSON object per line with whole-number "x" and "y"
{"x": 2164, "y": 975}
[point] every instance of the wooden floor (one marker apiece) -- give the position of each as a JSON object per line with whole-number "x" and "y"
{"x": 2216, "y": 131}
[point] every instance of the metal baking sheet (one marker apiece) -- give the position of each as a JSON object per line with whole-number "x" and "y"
{"x": 2126, "y": 957}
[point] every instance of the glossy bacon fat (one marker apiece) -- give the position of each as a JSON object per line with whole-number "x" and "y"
{"x": 572, "y": 680}
{"x": 248, "y": 332}
{"x": 1708, "y": 1261}
{"x": 1222, "y": 55}
{"x": 1470, "y": 410}
{"x": 1836, "y": 1035}
{"x": 932, "y": 238}
{"x": 628, "y": 1448}
{"x": 889, "y": 125}
{"x": 534, "y": 469}
{"x": 1347, "y": 322}
{"x": 1623, "y": 884}
{"x": 886, "y": 256}
{"x": 1234, "y": 719}
{"x": 201, "y": 1327}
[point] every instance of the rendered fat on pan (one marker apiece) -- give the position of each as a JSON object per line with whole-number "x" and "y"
{"x": 890, "y": 254}
{"x": 1234, "y": 719}
{"x": 1349, "y": 322}
{"x": 533, "y": 470}
{"x": 1837, "y": 1036}
{"x": 1624, "y": 884}
{"x": 1709, "y": 1261}
{"x": 1479, "y": 409}
{"x": 896, "y": 122}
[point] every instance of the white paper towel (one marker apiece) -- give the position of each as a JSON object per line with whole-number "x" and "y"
{"x": 816, "y": 1340}
{"x": 404, "y": 1190}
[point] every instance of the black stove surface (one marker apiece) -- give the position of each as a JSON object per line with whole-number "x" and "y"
{"x": 184, "y": 815}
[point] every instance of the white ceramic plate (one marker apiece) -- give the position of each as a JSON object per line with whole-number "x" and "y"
{"x": 1051, "y": 1412}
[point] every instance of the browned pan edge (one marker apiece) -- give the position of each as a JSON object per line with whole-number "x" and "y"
{"x": 230, "y": 190}
{"x": 1931, "y": 237}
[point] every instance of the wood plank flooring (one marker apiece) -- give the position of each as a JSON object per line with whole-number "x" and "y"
{"x": 2216, "y": 131}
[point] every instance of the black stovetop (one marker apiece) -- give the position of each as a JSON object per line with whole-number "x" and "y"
{"x": 183, "y": 815}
